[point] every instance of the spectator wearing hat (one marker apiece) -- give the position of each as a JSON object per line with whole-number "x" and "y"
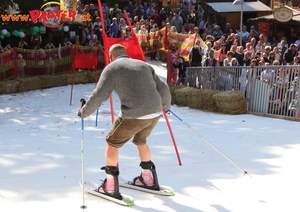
{"x": 289, "y": 54}
{"x": 268, "y": 50}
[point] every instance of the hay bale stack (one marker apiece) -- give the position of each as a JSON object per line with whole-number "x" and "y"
{"x": 206, "y": 102}
{"x": 9, "y": 86}
{"x": 49, "y": 81}
{"x": 29, "y": 83}
{"x": 92, "y": 76}
{"x": 181, "y": 95}
{"x": 230, "y": 102}
{"x": 193, "y": 97}
{"x": 173, "y": 88}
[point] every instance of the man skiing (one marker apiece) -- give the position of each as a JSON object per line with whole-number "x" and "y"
{"x": 142, "y": 102}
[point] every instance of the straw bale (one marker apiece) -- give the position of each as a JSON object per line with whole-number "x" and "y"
{"x": 49, "y": 81}
{"x": 230, "y": 102}
{"x": 181, "y": 96}
{"x": 193, "y": 97}
{"x": 29, "y": 83}
{"x": 206, "y": 102}
{"x": 9, "y": 86}
{"x": 173, "y": 95}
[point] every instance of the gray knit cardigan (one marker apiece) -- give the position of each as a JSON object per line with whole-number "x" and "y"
{"x": 140, "y": 90}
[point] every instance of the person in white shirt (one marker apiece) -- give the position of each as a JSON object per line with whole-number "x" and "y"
{"x": 268, "y": 75}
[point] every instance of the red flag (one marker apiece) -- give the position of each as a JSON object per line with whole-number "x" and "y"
{"x": 133, "y": 49}
{"x": 132, "y": 46}
{"x": 85, "y": 60}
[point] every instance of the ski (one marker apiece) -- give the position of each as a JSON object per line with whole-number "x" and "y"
{"x": 164, "y": 190}
{"x": 91, "y": 188}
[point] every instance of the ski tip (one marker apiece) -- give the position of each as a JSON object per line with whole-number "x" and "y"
{"x": 128, "y": 202}
{"x": 170, "y": 193}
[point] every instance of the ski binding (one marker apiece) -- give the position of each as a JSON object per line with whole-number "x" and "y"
{"x": 164, "y": 190}
{"x": 91, "y": 188}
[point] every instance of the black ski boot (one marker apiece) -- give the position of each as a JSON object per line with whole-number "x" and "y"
{"x": 148, "y": 178}
{"x": 112, "y": 172}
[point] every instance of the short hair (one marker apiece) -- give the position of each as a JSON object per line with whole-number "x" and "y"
{"x": 230, "y": 53}
{"x": 117, "y": 49}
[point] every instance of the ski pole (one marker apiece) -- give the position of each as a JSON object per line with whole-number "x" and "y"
{"x": 97, "y": 112}
{"x": 173, "y": 138}
{"x": 215, "y": 148}
{"x": 82, "y": 157}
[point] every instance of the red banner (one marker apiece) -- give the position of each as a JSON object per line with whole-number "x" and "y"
{"x": 263, "y": 28}
{"x": 85, "y": 60}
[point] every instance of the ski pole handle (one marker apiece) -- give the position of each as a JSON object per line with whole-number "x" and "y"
{"x": 82, "y": 122}
{"x": 82, "y": 102}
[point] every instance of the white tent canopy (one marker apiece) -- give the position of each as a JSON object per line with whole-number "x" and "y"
{"x": 248, "y": 7}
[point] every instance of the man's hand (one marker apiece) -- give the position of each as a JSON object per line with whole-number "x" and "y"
{"x": 82, "y": 104}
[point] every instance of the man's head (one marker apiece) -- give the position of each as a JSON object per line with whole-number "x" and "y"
{"x": 283, "y": 42}
{"x": 294, "y": 47}
{"x": 115, "y": 51}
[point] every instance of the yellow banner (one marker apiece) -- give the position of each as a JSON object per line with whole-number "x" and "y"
{"x": 153, "y": 41}
{"x": 184, "y": 42}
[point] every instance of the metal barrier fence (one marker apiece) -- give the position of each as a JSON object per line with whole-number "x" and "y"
{"x": 267, "y": 89}
{"x": 32, "y": 62}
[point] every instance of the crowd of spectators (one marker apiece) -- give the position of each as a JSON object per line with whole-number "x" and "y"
{"x": 188, "y": 18}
